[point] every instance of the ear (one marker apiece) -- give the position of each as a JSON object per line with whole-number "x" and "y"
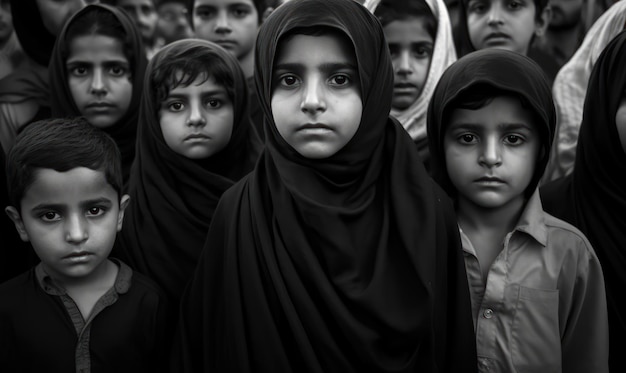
{"x": 543, "y": 21}
{"x": 120, "y": 215}
{"x": 14, "y": 215}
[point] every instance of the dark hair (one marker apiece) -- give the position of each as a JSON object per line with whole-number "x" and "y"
{"x": 260, "y": 5}
{"x": 61, "y": 145}
{"x": 98, "y": 20}
{"x": 183, "y": 68}
{"x": 388, "y": 11}
{"x": 480, "y": 95}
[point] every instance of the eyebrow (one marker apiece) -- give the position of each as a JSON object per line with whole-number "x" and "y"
{"x": 214, "y": 92}
{"x": 475, "y": 126}
{"x": 113, "y": 61}
{"x": 325, "y": 67}
{"x": 59, "y": 206}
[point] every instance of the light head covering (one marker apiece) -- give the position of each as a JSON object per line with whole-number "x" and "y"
{"x": 491, "y": 69}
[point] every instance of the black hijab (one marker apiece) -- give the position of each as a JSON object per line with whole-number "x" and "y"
{"x": 489, "y": 70}
{"x": 125, "y": 130}
{"x": 173, "y": 198}
{"x": 593, "y": 197}
{"x": 350, "y": 263}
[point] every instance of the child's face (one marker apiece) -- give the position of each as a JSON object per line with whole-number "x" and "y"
{"x": 566, "y": 13}
{"x": 144, "y": 14}
{"x": 620, "y": 121}
{"x": 316, "y": 100}
{"x": 491, "y": 152}
{"x": 71, "y": 219}
{"x": 173, "y": 23}
{"x": 54, "y": 13}
{"x": 99, "y": 79}
{"x": 411, "y": 47}
{"x": 504, "y": 24}
{"x": 233, "y": 24}
{"x": 197, "y": 120}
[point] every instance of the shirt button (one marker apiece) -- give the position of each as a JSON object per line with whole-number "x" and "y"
{"x": 488, "y": 313}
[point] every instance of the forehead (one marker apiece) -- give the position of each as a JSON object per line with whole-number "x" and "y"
{"x": 96, "y": 47}
{"x": 69, "y": 187}
{"x": 309, "y": 49}
{"x": 223, "y": 3}
{"x": 202, "y": 83}
{"x": 496, "y": 114}
{"x": 412, "y": 29}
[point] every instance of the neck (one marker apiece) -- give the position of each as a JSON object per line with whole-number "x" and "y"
{"x": 502, "y": 219}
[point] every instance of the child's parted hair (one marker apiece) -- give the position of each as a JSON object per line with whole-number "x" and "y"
{"x": 388, "y": 11}
{"x": 61, "y": 145}
{"x": 183, "y": 68}
{"x": 99, "y": 21}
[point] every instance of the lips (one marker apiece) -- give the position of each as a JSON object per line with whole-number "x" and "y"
{"x": 315, "y": 126}
{"x": 78, "y": 256}
{"x": 197, "y": 136}
{"x": 489, "y": 180}
{"x": 497, "y": 36}
{"x": 99, "y": 105}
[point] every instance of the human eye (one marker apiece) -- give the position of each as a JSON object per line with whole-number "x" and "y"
{"x": 49, "y": 216}
{"x": 204, "y": 12}
{"x": 175, "y": 106}
{"x": 514, "y": 139}
{"x": 240, "y": 11}
{"x": 340, "y": 80}
{"x": 289, "y": 81}
{"x": 477, "y": 7}
{"x": 423, "y": 51}
{"x": 78, "y": 70}
{"x": 214, "y": 103}
{"x": 117, "y": 70}
{"x": 515, "y": 5}
{"x": 95, "y": 211}
{"x": 467, "y": 139}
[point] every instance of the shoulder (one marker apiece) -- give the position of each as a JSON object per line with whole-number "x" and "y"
{"x": 17, "y": 284}
{"x": 565, "y": 237}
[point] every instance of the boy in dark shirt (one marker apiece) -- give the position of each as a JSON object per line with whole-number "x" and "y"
{"x": 77, "y": 310}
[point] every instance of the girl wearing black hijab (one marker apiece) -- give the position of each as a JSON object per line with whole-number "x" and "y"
{"x": 593, "y": 196}
{"x": 96, "y": 71}
{"x": 337, "y": 253}
{"x": 192, "y": 88}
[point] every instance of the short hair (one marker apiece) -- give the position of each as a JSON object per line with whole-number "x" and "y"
{"x": 182, "y": 69}
{"x": 61, "y": 145}
{"x": 98, "y": 20}
{"x": 388, "y": 11}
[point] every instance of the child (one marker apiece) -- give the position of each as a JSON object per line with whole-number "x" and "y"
{"x": 337, "y": 253}
{"x": 570, "y": 87}
{"x": 193, "y": 144}
{"x": 233, "y": 24}
{"x": 174, "y": 21}
{"x": 593, "y": 196}
{"x": 97, "y": 71}
{"x": 77, "y": 310}
{"x": 536, "y": 284}
{"x": 420, "y": 41}
{"x": 144, "y": 15}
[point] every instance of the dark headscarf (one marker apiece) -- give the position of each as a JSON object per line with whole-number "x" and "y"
{"x": 345, "y": 264}
{"x": 173, "y": 198}
{"x": 124, "y": 131}
{"x": 593, "y": 197}
{"x": 35, "y": 39}
{"x": 485, "y": 71}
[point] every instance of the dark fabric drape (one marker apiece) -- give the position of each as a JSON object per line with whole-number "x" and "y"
{"x": 125, "y": 130}
{"x": 488, "y": 70}
{"x": 34, "y": 37}
{"x": 593, "y": 197}
{"x": 344, "y": 264}
{"x": 173, "y": 198}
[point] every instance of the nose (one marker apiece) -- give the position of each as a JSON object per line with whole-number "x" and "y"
{"x": 196, "y": 117}
{"x": 495, "y": 15}
{"x": 222, "y": 25}
{"x": 491, "y": 153}
{"x": 97, "y": 82}
{"x": 404, "y": 63}
{"x": 76, "y": 229}
{"x": 313, "y": 98}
